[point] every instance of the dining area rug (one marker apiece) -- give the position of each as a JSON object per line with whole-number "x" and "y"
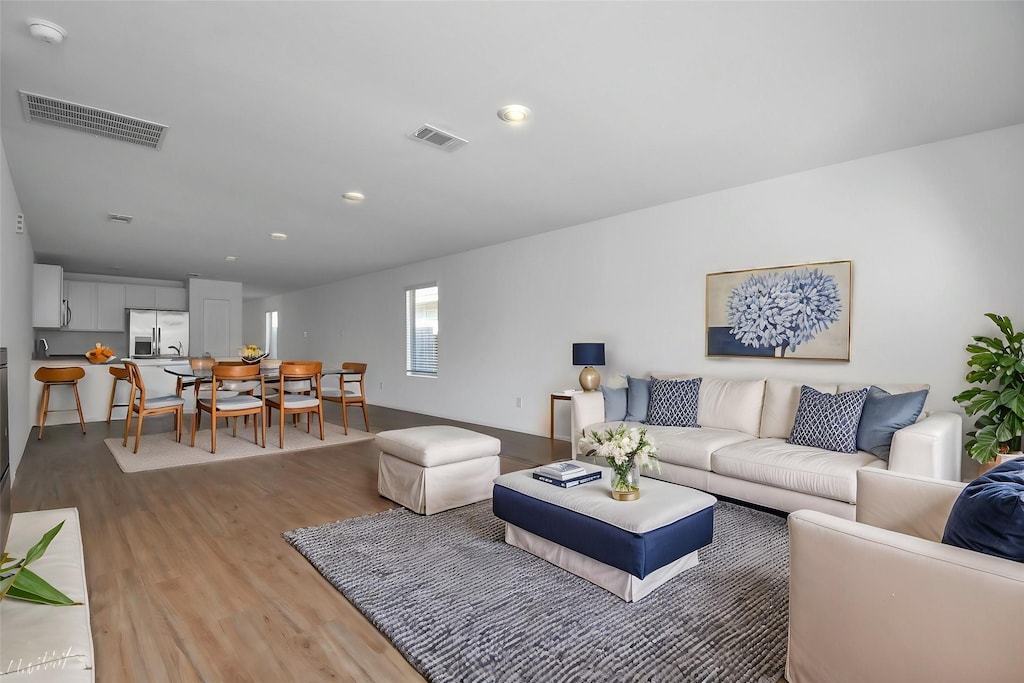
{"x": 462, "y": 605}
{"x": 161, "y": 451}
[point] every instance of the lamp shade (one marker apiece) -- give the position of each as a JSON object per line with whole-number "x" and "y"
{"x": 588, "y": 353}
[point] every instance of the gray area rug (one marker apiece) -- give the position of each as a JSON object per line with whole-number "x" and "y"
{"x": 461, "y": 605}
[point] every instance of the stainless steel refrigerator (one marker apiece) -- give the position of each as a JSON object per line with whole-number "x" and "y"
{"x": 157, "y": 333}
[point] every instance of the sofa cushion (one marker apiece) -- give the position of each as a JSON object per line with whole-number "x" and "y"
{"x": 988, "y": 517}
{"x": 828, "y": 421}
{"x": 638, "y": 395}
{"x": 883, "y": 415}
{"x": 692, "y": 447}
{"x": 731, "y": 404}
{"x": 781, "y": 398}
{"x": 774, "y": 462}
{"x": 674, "y": 404}
{"x": 614, "y": 403}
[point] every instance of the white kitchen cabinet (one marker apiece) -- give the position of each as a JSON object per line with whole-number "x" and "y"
{"x": 95, "y": 306}
{"x": 171, "y": 298}
{"x": 82, "y": 304}
{"x": 159, "y": 298}
{"x": 139, "y": 296}
{"x": 47, "y": 296}
{"x": 109, "y": 307}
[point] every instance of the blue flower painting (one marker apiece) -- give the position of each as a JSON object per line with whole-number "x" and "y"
{"x": 779, "y": 312}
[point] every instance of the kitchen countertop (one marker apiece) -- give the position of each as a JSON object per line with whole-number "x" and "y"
{"x": 72, "y": 360}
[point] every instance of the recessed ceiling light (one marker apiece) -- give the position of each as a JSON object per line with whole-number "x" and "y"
{"x": 230, "y": 258}
{"x": 46, "y": 31}
{"x": 353, "y": 196}
{"x": 278, "y": 236}
{"x": 513, "y": 113}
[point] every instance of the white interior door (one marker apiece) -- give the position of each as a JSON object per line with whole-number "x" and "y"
{"x": 216, "y": 328}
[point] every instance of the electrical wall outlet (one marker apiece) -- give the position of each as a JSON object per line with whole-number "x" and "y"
{"x": 20, "y": 227}
{"x": 382, "y": 386}
{"x": 519, "y": 401}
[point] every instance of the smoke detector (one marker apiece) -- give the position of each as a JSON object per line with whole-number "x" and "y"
{"x": 438, "y": 138}
{"x": 46, "y": 31}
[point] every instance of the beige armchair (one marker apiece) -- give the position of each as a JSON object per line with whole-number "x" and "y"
{"x": 881, "y": 599}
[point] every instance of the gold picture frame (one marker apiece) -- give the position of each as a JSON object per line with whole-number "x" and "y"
{"x": 796, "y": 312}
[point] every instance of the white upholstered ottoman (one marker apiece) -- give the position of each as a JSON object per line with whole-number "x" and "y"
{"x": 433, "y": 469}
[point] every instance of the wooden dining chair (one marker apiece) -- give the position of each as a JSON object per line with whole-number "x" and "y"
{"x": 143, "y": 406}
{"x": 119, "y": 375}
{"x": 205, "y": 364}
{"x": 351, "y": 391}
{"x": 58, "y": 377}
{"x": 297, "y": 373}
{"x": 223, "y": 403}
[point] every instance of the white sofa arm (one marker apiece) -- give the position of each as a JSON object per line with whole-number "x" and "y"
{"x": 905, "y": 503}
{"x": 868, "y": 604}
{"x": 587, "y": 409}
{"x": 929, "y": 448}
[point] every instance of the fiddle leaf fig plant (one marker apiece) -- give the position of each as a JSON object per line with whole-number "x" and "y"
{"x": 996, "y": 366}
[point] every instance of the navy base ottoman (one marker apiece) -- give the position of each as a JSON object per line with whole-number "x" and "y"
{"x": 627, "y": 548}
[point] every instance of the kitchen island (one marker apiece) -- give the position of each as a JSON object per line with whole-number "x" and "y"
{"x": 94, "y": 389}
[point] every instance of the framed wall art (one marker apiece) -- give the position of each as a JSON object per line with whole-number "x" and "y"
{"x": 785, "y": 312}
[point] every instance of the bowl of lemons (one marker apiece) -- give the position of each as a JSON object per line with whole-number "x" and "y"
{"x": 252, "y": 354}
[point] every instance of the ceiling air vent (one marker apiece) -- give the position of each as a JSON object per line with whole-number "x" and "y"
{"x": 91, "y": 120}
{"x": 438, "y": 138}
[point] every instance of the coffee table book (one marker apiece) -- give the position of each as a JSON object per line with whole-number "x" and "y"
{"x": 562, "y": 470}
{"x": 567, "y": 483}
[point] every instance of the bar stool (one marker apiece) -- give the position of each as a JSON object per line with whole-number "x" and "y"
{"x": 58, "y": 377}
{"x": 120, "y": 375}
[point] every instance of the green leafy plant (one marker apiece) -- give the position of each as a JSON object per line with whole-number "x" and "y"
{"x": 997, "y": 367}
{"x": 18, "y": 582}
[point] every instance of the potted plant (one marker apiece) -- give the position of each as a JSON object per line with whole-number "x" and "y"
{"x": 996, "y": 366}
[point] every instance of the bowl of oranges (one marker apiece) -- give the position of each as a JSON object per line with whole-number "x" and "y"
{"x": 100, "y": 354}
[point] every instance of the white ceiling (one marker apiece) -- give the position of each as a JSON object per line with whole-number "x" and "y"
{"x": 276, "y": 108}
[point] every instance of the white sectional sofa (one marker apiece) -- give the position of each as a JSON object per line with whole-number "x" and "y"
{"x": 740, "y": 450}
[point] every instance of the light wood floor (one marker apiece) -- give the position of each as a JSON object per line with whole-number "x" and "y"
{"x": 189, "y": 577}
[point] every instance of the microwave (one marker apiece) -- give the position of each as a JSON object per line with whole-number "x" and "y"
{"x": 142, "y": 347}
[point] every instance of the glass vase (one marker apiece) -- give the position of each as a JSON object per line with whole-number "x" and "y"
{"x": 626, "y": 481}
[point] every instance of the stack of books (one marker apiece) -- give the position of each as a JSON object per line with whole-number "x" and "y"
{"x": 565, "y": 474}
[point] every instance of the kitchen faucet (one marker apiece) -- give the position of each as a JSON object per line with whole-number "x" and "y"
{"x": 177, "y": 347}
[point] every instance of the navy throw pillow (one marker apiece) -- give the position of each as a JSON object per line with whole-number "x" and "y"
{"x": 614, "y": 403}
{"x": 828, "y": 421}
{"x": 638, "y": 395}
{"x": 883, "y": 415}
{"x": 674, "y": 403}
{"x": 988, "y": 517}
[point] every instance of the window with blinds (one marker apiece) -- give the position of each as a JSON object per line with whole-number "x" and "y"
{"x": 421, "y": 330}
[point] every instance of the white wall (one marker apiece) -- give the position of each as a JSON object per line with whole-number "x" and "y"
{"x": 935, "y": 234}
{"x": 16, "y": 313}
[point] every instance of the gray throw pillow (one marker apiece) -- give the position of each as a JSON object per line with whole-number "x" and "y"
{"x": 828, "y": 421}
{"x": 883, "y": 415}
{"x": 638, "y": 394}
{"x": 614, "y": 403}
{"x": 674, "y": 403}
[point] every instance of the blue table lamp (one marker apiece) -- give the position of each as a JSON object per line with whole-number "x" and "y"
{"x": 588, "y": 354}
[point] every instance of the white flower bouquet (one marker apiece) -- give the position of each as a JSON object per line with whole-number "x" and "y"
{"x": 623, "y": 449}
